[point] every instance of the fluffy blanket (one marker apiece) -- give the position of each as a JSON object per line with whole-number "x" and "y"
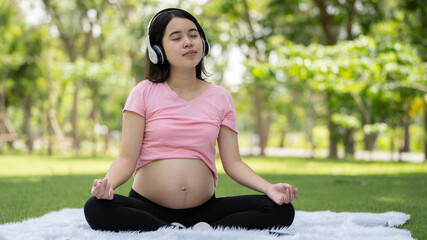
{"x": 68, "y": 224}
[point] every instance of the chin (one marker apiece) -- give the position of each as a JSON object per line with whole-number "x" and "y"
{"x": 188, "y": 64}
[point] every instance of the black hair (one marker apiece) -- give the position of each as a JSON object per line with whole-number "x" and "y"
{"x": 160, "y": 72}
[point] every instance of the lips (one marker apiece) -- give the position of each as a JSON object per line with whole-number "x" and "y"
{"x": 190, "y": 53}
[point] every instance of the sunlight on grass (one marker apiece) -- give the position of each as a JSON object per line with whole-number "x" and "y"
{"x": 389, "y": 199}
{"x": 11, "y": 166}
{"x": 23, "y": 180}
{"x": 301, "y": 166}
{"x": 55, "y": 166}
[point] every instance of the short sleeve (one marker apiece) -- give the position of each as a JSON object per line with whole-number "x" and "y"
{"x": 136, "y": 100}
{"x": 229, "y": 113}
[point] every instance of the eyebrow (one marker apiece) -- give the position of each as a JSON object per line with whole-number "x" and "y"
{"x": 176, "y": 32}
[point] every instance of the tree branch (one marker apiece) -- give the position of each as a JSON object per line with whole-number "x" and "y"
{"x": 88, "y": 35}
{"x": 65, "y": 39}
{"x": 247, "y": 18}
{"x": 350, "y": 10}
{"x": 417, "y": 87}
{"x": 326, "y": 20}
{"x": 362, "y": 107}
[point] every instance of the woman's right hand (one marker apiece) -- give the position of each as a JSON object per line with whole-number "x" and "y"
{"x": 102, "y": 189}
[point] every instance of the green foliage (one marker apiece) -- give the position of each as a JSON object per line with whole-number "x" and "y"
{"x": 299, "y": 20}
{"x": 96, "y": 49}
{"x": 375, "y": 82}
{"x": 348, "y": 122}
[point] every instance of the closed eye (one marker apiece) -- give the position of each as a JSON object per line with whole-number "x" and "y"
{"x": 176, "y": 36}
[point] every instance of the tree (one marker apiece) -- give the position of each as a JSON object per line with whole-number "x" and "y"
{"x": 29, "y": 85}
{"x": 242, "y": 28}
{"x": 11, "y": 55}
{"x": 364, "y": 77}
{"x": 77, "y": 25}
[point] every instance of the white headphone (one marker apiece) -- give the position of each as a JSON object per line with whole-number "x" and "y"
{"x": 156, "y": 53}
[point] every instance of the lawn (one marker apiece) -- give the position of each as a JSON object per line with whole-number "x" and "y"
{"x": 31, "y": 186}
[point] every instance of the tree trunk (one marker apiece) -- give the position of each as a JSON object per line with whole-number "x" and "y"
{"x": 108, "y": 145}
{"x": 75, "y": 117}
{"x": 392, "y": 145}
{"x": 326, "y": 21}
{"x": 258, "y": 117}
{"x": 50, "y": 136}
{"x": 349, "y": 142}
{"x": 10, "y": 134}
{"x": 93, "y": 115}
{"x": 333, "y": 148}
{"x": 266, "y": 132}
{"x": 27, "y": 124}
{"x": 350, "y": 15}
{"x": 425, "y": 133}
{"x": 282, "y": 137}
{"x": 2, "y": 102}
{"x": 310, "y": 122}
{"x": 50, "y": 130}
{"x": 369, "y": 142}
{"x": 261, "y": 127}
{"x": 3, "y": 90}
{"x": 406, "y": 140}
{"x": 70, "y": 44}
{"x": 333, "y": 145}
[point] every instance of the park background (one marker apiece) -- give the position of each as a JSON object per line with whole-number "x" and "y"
{"x": 324, "y": 79}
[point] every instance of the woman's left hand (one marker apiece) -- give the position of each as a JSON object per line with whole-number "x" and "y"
{"x": 282, "y": 193}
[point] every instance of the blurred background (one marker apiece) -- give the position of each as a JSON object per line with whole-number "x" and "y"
{"x": 318, "y": 78}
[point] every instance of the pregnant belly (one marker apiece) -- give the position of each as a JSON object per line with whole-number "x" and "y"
{"x": 175, "y": 183}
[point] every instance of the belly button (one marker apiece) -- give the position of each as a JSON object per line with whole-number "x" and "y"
{"x": 184, "y": 189}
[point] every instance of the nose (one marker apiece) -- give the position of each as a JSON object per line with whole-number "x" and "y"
{"x": 187, "y": 42}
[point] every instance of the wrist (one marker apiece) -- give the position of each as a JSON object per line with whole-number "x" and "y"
{"x": 266, "y": 187}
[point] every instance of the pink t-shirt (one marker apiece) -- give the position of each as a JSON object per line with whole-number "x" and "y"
{"x": 176, "y": 128}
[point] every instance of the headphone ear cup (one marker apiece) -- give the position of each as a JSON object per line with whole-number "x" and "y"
{"x": 205, "y": 47}
{"x": 159, "y": 54}
{"x": 152, "y": 55}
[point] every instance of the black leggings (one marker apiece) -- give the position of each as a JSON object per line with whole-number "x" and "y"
{"x": 136, "y": 213}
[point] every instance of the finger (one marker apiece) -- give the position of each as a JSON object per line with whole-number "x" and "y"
{"x": 296, "y": 192}
{"x": 291, "y": 193}
{"x": 95, "y": 182}
{"x": 103, "y": 187}
{"x": 111, "y": 195}
{"x": 92, "y": 191}
{"x": 105, "y": 181}
{"x": 95, "y": 188}
{"x": 287, "y": 196}
{"x": 107, "y": 191}
{"x": 99, "y": 188}
{"x": 284, "y": 187}
{"x": 100, "y": 191}
{"x": 283, "y": 199}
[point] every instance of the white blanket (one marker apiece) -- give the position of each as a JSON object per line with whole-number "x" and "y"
{"x": 70, "y": 224}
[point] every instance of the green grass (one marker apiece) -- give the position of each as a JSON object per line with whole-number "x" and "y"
{"x": 31, "y": 186}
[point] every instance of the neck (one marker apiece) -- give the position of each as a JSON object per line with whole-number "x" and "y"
{"x": 182, "y": 79}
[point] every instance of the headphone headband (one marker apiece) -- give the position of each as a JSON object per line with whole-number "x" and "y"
{"x": 156, "y": 53}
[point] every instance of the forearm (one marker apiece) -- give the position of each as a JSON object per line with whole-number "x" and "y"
{"x": 119, "y": 172}
{"x": 240, "y": 172}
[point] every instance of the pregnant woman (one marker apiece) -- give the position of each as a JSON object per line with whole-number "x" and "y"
{"x": 171, "y": 123}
